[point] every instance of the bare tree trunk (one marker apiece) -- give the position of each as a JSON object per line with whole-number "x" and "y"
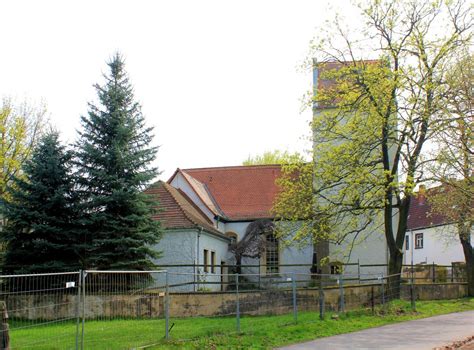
{"x": 395, "y": 245}
{"x": 469, "y": 256}
{"x": 394, "y": 272}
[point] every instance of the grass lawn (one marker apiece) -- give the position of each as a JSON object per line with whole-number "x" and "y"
{"x": 220, "y": 332}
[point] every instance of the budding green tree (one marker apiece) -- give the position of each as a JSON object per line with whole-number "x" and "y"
{"x": 454, "y": 166}
{"x": 21, "y": 126}
{"x": 274, "y": 157}
{"x": 380, "y": 99}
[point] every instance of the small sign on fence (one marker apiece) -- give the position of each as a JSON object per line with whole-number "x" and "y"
{"x": 70, "y": 284}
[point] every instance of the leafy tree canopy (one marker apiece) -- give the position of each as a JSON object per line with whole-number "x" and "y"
{"x": 453, "y": 151}
{"x": 20, "y": 128}
{"x": 274, "y": 157}
{"x": 373, "y": 118}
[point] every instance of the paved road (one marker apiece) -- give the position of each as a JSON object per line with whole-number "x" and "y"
{"x": 421, "y": 334}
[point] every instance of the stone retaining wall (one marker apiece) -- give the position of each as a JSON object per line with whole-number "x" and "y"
{"x": 277, "y": 301}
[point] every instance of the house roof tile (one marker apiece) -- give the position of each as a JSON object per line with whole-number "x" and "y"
{"x": 420, "y": 214}
{"x": 240, "y": 192}
{"x": 176, "y": 210}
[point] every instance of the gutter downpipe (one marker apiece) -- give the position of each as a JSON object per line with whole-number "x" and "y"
{"x": 197, "y": 260}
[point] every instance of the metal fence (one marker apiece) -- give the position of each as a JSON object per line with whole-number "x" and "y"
{"x": 45, "y": 306}
{"x": 355, "y": 272}
{"x": 137, "y": 309}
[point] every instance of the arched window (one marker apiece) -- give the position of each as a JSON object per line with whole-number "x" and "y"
{"x": 233, "y": 236}
{"x": 272, "y": 253}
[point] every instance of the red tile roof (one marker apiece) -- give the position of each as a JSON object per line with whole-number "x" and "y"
{"x": 420, "y": 215}
{"x": 177, "y": 211}
{"x": 240, "y": 192}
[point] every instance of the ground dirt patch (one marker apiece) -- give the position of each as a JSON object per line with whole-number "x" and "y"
{"x": 466, "y": 344}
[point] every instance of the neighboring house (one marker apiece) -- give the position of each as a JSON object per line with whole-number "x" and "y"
{"x": 430, "y": 237}
{"x": 203, "y": 210}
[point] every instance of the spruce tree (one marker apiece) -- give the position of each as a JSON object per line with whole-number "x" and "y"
{"x": 41, "y": 232}
{"x": 114, "y": 159}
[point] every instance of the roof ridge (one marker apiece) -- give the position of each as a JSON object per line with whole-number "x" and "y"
{"x": 221, "y": 212}
{"x": 351, "y": 61}
{"x": 235, "y": 167}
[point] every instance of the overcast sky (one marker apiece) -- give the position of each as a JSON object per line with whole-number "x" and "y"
{"x": 218, "y": 80}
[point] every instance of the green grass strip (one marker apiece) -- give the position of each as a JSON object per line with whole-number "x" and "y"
{"x": 257, "y": 332}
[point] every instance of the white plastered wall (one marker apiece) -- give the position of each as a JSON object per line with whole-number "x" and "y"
{"x": 440, "y": 246}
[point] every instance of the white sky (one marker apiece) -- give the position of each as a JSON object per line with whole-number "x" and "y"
{"x": 217, "y": 79}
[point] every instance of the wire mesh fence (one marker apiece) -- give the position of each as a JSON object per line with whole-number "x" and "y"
{"x": 355, "y": 272}
{"x": 116, "y": 305}
{"x": 137, "y": 309}
{"x": 36, "y": 304}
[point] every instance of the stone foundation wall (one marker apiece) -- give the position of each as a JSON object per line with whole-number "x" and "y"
{"x": 436, "y": 291}
{"x": 277, "y": 301}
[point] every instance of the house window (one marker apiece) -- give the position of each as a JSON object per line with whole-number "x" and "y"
{"x": 419, "y": 241}
{"x": 407, "y": 242}
{"x": 272, "y": 258}
{"x": 233, "y": 237}
{"x": 206, "y": 260}
{"x": 213, "y": 262}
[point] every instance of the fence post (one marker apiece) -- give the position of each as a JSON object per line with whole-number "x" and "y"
{"x": 341, "y": 293}
{"x": 259, "y": 275}
{"x": 83, "y": 279}
{"x": 321, "y": 299}
{"x": 412, "y": 293}
{"x": 452, "y": 272}
{"x": 295, "y": 308}
{"x": 78, "y": 305}
{"x": 237, "y": 302}
{"x": 167, "y": 306}
{"x": 5, "y": 336}
{"x": 382, "y": 285}
{"x": 195, "y": 278}
{"x": 358, "y": 269}
{"x": 434, "y": 272}
{"x": 372, "y": 299}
